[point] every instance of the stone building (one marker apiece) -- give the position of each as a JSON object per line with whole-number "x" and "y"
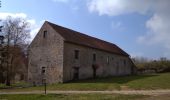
{"x": 58, "y": 54}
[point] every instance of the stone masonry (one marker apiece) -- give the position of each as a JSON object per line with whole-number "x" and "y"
{"x": 52, "y": 57}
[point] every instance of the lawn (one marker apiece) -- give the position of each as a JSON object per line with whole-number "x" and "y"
{"x": 71, "y": 97}
{"x": 154, "y": 81}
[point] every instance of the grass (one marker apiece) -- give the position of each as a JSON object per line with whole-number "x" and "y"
{"x": 71, "y": 97}
{"x": 158, "y": 81}
{"x": 154, "y": 81}
{"x": 17, "y": 84}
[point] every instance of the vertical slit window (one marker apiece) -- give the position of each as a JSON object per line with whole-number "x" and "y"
{"x": 44, "y": 34}
{"x": 43, "y": 70}
{"x": 108, "y": 60}
{"x": 76, "y": 54}
{"x": 124, "y": 61}
{"x": 94, "y": 57}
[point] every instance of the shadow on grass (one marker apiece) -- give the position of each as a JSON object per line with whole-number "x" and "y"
{"x": 115, "y": 79}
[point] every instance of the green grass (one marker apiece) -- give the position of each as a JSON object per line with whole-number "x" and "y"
{"x": 2, "y": 85}
{"x": 154, "y": 81}
{"x": 71, "y": 97}
{"x": 18, "y": 84}
{"x": 157, "y": 81}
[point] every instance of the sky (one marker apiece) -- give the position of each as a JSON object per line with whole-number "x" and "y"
{"x": 140, "y": 27}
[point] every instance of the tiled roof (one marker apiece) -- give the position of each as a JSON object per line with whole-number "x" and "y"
{"x": 85, "y": 40}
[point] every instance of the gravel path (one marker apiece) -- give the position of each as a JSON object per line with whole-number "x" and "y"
{"x": 141, "y": 92}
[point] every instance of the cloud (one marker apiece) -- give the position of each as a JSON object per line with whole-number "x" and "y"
{"x": 158, "y": 31}
{"x": 14, "y": 15}
{"x": 117, "y": 7}
{"x": 34, "y": 26}
{"x": 157, "y": 26}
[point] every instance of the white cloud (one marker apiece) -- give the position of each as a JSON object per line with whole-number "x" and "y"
{"x": 157, "y": 27}
{"x": 14, "y": 15}
{"x": 158, "y": 31}
{"x": 34, "y": 26}
{"x": 117, "y": 7}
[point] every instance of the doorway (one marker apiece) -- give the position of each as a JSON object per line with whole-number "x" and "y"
{"x": 75, "y": 73}
{"x": 94, "y": 72}
{"x": 95, "y": 67}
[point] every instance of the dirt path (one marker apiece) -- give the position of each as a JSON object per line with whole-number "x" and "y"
{"x": 141, "y": 92}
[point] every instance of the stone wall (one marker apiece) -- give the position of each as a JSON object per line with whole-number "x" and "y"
{"x": 46, "y": 51}
{"x": 49, "y": 52}
{"x": 108, "y": 64}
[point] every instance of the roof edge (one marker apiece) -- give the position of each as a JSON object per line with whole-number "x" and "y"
{"x": 53, "y": 26}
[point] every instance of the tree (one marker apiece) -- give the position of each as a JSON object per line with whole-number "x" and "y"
{"x": 17, "y": 30}
{"x": 159, "y": 65}
{"x": 17, "y": 33}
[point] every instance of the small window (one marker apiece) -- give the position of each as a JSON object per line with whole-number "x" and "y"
{"x": 94, "y": 57}
{"x": 43, "y": 70}
{"x": 45, "y": 34}
{"x": 76, "y": 54}
{"x": 124, "y": 61}
{"x": 108, "y": 60}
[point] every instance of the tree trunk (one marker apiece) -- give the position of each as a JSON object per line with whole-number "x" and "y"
{"x": 8, "y": 83}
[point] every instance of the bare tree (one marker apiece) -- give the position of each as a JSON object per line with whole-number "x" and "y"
{"x": 17, "y": 29}
{"x": 17, "y": 33}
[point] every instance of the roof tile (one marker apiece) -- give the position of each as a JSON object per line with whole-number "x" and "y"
{"x": 85, "y": 40}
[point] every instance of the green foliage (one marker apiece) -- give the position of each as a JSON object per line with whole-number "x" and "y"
{"x": 161, "y": 65}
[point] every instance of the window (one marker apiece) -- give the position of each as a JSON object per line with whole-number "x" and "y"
{"x": 76, "y": 54}
{"x": 45, "y": 34}
{"x": 43, "y": 70}
{"x": 94, "y": 57}
{"x": 124, "y": 61}
{"x": 108, "y": 60}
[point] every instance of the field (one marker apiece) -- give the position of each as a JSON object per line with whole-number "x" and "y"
{"x": 138, "y": 82}
{"x": 71, "y": 97}
{"x": 82, "y": 97}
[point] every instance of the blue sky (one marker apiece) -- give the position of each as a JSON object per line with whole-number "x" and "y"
{"x": 140, "y": 27}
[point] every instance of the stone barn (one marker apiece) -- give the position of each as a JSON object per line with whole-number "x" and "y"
{"x": 59, "y": 54}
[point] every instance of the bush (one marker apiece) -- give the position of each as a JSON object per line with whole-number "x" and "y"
{"x": 157, "y": 66}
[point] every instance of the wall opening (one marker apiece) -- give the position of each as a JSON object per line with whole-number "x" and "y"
{"x": 94, "y": 57}
{"x": 76, "y": 54}
{"x": 95, "y": 67}
{"x": 44, "y": 34}
{"x": 107, "y": 60}
{"x": 43, "y": 70}
{"x": 75, "y": 73}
